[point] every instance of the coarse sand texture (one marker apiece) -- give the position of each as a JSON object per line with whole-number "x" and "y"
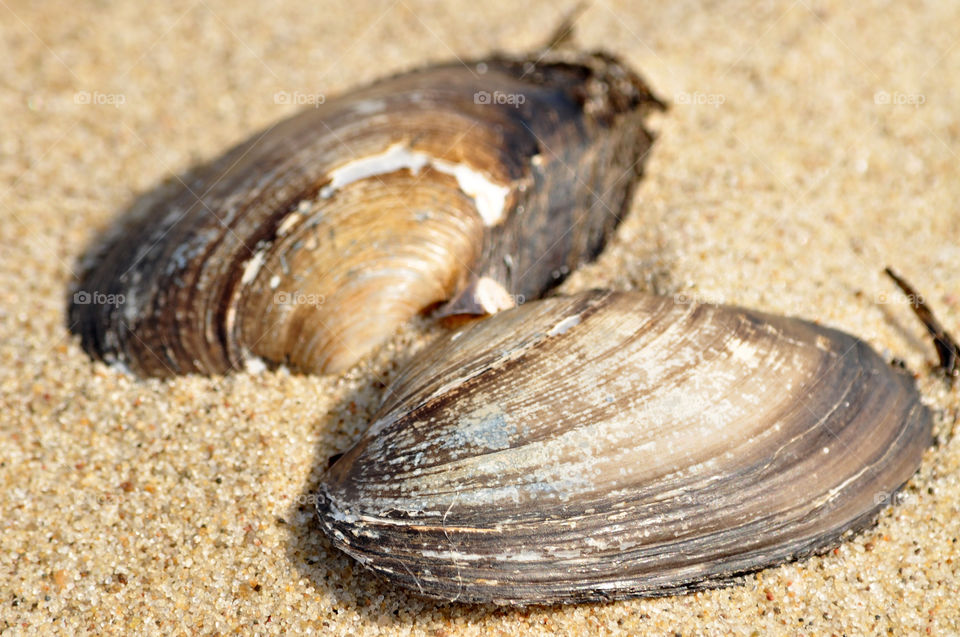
{"x": 806, "y": 146}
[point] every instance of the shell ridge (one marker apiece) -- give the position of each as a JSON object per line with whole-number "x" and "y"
{"x": 781, "y": 487}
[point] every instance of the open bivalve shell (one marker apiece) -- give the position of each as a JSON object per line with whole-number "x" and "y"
{"x": 611, "y": 445}
{"x": 470, "y": 185}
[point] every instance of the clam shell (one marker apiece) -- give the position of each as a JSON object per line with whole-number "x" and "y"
{"x": 611, "y": 445}
{"x": 309, "y": 244}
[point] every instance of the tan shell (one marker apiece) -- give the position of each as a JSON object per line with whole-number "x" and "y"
{"x": 612, "y": 445}
{"x": 313, "y": 241}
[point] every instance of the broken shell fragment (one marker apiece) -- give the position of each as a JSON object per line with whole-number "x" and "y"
{"x": 308, "y": 245}
{"x": 612, "y": 445}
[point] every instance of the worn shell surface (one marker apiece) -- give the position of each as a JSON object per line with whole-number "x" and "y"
{"x": 610, "y": 445}
{"x": 311, "y": 242}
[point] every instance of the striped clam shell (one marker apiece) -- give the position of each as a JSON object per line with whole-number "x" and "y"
{"x": 465, "y": 185}
{"x": 611, "y": 445}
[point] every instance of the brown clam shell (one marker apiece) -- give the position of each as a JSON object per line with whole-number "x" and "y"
{"x": 612, "y": 445}
{"x": 474, "y": 185}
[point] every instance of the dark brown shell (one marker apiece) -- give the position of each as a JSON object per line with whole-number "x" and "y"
{"x": 475, "y": 185}
{"x": 612, "y": 445}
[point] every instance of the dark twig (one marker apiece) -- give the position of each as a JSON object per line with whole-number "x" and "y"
{"x": 563, "y": 34}
{"x": 947, "y": 348}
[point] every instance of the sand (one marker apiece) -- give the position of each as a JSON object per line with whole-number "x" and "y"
{"x": 808, "y": 145}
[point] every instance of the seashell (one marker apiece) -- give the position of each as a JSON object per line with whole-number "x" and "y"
{"x": 310, "y": 243}
{"x": 611, "y": 445}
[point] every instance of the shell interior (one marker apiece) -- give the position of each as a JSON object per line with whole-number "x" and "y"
{"x": 311, "y": 243}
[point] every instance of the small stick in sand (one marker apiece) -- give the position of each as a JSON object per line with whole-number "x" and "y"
{"x": 947, "y": 348}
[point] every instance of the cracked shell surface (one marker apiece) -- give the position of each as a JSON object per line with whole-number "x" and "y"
{"x": 612, "y": 445}
{"x": 310, "y": 243}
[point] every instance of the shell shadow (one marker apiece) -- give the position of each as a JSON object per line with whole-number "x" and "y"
{"x": 908, "y": 334}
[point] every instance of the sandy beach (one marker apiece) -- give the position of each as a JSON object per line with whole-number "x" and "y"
{"x": 807, "y": 146}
